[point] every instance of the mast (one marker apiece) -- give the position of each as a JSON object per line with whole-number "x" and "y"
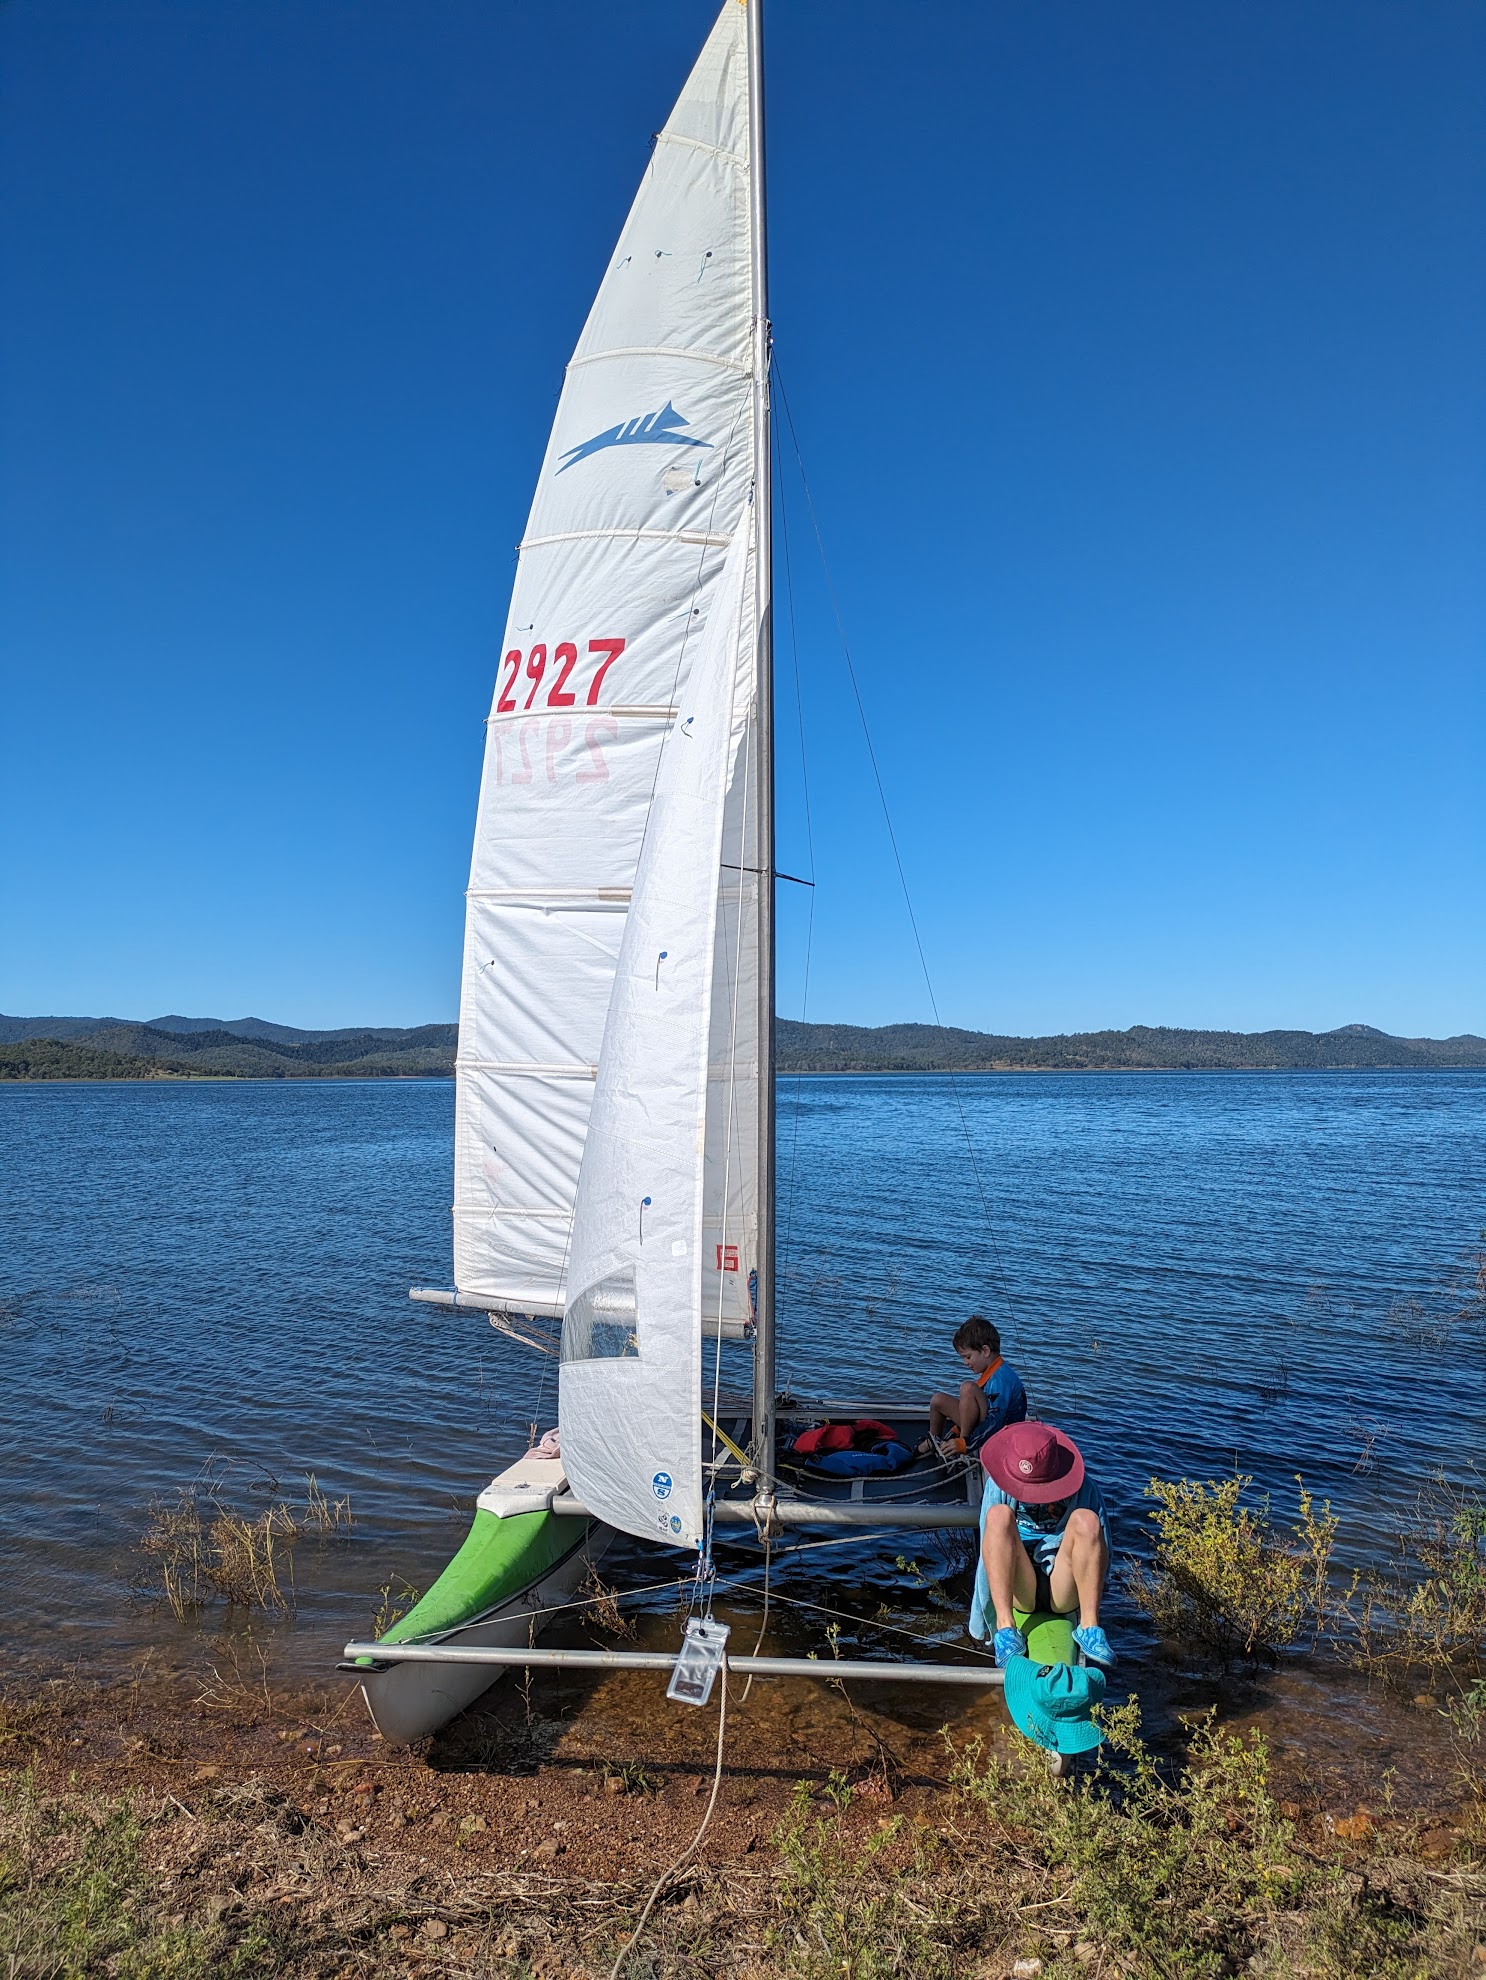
{"x": 764, "y": 1384}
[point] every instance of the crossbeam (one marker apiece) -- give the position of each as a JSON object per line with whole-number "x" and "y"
{"x": 832, "y": 1669}
{"x": 865, "y": 1513}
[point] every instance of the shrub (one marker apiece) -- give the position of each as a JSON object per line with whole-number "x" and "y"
{"x": 1223, "y": 1576}
{"x": 1426, "y": 1607}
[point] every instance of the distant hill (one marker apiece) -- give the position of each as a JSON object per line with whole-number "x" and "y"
{"x": 1143, "y": 1048}
{"x": 252, "y": 1048}
{"x": 241, "y": 1048}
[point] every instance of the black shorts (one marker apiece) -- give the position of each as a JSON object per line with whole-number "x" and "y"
{"x": 1043, "y": 1602}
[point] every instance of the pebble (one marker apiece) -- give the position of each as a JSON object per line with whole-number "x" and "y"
{"x": 1026, "y": 1969}
{"x": 1354, "y": 1828}
{"x": 548, "y": 1849}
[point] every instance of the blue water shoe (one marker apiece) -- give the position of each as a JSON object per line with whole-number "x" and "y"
{"x": 1009, "y": 1643}
{"x": 1091, "y": 1639}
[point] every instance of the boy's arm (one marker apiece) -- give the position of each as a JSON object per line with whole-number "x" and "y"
{"x": 999, "y": 1394}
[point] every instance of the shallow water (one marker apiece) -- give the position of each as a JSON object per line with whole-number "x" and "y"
{"x": 1193, "y": 1272}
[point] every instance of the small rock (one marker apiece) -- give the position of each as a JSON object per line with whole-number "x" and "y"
{"x": 1354, "y": 1828}
{"x": 1425, "y": 1701}
{"x": 433, "y": 1928}
{"x": 1026, "y": 1969}
{"x": 548, "y": 1849}
{"x": 397, "y": 1820}
{"x": 613, "y": 1784}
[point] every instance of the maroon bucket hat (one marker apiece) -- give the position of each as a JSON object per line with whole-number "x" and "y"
{"x": 1033, "y": 1463}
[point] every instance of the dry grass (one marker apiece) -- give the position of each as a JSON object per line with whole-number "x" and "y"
{"x": 604, "y": 1611}
{"x": 200, "y": 1549}
{"x": 398, "y": 1597}
{"x": 324, "y": 1861}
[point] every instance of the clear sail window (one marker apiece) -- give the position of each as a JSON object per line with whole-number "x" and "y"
{"x": 602, "y": 1323}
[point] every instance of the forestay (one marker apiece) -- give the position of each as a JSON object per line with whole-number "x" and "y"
{"x": 650, "y": 1204}
{"x": 643, "y": 484}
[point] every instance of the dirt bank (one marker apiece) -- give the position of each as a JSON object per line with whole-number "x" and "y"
{"x": 229, "y": 1826}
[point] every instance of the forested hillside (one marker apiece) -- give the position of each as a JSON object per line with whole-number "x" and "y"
{"x": 252, "y": 1048}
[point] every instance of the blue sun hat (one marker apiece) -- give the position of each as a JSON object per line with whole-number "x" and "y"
{"x": 1051, "y": 1703}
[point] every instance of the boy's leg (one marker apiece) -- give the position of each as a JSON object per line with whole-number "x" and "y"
{"x": 1079, "y": 1570}
{"x": 942, "y": 1412}
{"x": 972, "y": 1407}
{"x": 1008, "y": 1566}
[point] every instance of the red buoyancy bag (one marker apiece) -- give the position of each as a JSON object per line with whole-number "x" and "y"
{"x": 858, "y": 1436}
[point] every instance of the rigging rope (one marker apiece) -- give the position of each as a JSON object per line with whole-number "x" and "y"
{"x": 892, "y": 835}
{"x": 794, "y": 641}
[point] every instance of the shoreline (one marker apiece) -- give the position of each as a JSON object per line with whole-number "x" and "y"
{"x": 272, "y": 1831}
{"x": 781, "y": 1072}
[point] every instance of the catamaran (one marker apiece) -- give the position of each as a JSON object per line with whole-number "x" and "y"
{"x": 614, "y": 1137}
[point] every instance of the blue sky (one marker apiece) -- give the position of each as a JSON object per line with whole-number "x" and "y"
{"x": 1138, "y": 358}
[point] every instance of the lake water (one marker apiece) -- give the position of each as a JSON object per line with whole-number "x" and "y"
{"x": 1193, "y": 1272}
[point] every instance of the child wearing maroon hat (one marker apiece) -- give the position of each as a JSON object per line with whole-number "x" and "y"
{"x": 1044, "y": 1544}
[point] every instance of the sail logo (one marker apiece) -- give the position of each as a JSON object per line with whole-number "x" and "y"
{"x": 660, "y": 1484}
{"x": 657, "y": 429}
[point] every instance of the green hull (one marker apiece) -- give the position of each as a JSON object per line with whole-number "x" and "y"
{"x": 1049, "y": 1637}
{"x": 495, "y": 1593}
{"x": 499, "y": 1558}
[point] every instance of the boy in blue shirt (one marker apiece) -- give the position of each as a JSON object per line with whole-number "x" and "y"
{"x": 1044, "y": 1541}
{"x": 993, "y": 1398}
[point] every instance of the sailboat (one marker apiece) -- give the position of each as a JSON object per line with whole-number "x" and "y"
{"x": 614, "y": 1132}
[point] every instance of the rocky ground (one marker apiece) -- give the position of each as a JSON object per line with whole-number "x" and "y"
{"x": 177, "y": 1828}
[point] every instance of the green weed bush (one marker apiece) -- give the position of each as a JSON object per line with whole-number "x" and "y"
{"x": 1425, "y": 1608}
{"x": 1224, "y": 1576}
{"x": 1188, "y": 1872}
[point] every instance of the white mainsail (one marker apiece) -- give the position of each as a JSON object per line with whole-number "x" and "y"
{"x": 644, "y": 485}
